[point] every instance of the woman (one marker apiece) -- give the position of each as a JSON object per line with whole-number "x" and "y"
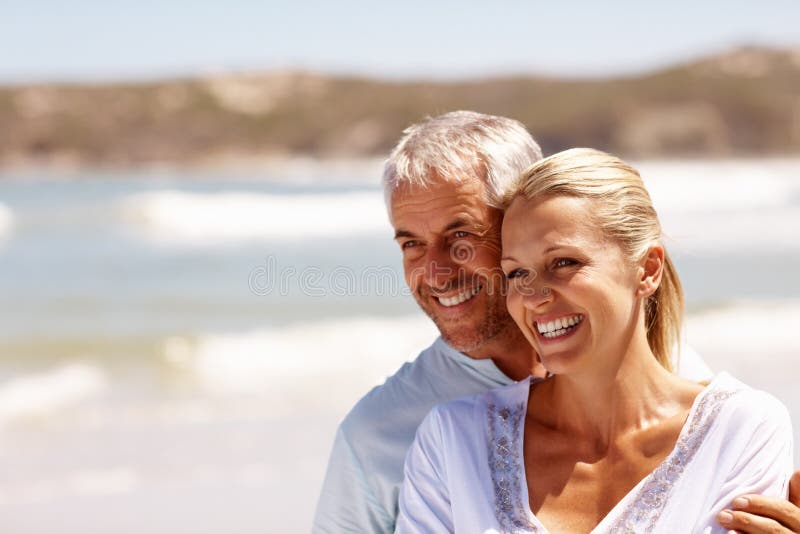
{"x": 611, "y": 441}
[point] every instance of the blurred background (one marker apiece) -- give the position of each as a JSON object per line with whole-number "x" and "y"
{"x": 197, "y": 276}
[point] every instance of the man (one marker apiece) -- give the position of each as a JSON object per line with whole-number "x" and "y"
{"x": 443, "y": 182}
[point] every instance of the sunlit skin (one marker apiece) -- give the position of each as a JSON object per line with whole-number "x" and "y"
{"x": 611, "y": 413}
{"x": 450, "y": 241}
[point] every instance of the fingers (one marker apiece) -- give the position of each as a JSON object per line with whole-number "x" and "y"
{"x": 737, "y": 521}
{"x": 794, "y": 488}
{"x": 779, "y": 510}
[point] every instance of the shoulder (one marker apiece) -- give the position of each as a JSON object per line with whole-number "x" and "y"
{"x": 399, "y": 388}
{"x": 390, "y": 412}
{"x": 689, "y": 364}
{"x": 748, "y": 409}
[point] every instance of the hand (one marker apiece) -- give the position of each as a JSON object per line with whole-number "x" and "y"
{"x": 756, "y": 514}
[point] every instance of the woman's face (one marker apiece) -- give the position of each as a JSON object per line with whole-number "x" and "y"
{"x": 571, "y": 290}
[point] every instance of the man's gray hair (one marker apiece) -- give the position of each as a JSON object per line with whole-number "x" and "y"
{"x": 460, "y": 146}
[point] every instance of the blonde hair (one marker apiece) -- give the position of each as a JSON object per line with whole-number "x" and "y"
{"x": 460, "y": 146}
{"x": 625, "y": 213}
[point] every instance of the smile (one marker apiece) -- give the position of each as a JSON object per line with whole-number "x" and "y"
{"x": 559, "y": 327}
{"x": 458, "y": 299}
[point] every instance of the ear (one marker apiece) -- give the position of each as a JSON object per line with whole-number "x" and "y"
{"x": 651, "y": 267}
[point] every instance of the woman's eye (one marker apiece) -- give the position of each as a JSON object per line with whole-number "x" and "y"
{"x": 516, "y": 273}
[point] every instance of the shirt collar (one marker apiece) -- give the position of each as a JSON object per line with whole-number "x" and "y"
{"x": 484, "y": 367}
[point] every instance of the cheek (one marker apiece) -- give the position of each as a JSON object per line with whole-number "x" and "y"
{"x": 610, "y": 299}
{"x": 412, "y": 274}
{"x": 515, "y": 307}
{"x": 483, "y": 262}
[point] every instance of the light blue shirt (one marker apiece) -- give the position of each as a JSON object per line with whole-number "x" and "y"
{"x": 365, "y": 470}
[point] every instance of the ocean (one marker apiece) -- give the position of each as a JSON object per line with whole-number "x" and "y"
{"x": 177, "y": 348}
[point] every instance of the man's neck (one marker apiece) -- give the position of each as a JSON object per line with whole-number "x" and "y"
{"x": 511, "y": 354}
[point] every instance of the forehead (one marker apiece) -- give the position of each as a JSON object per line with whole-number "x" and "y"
{"x": 440, "y": 203}
{"x": 542, "y": 223}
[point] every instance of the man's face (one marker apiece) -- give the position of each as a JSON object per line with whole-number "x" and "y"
{"x": 450, "y": 240}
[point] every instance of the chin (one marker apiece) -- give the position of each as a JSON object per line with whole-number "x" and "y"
{"x": 463, "y": 341}
{"x": 560, "y": 363}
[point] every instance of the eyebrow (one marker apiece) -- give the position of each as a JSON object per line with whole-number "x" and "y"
{"x": 547, "y": 251}
{"x": 458, "y": 223}
{"x": 402, "y": 233}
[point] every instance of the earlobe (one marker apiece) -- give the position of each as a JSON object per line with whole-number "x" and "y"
{"x": 651, "y": 269}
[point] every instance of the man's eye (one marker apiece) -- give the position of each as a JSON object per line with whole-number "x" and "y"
{"x": 564, "y": 262}
{"x": 460, "y": 234}
{"x": 408, "y": 244}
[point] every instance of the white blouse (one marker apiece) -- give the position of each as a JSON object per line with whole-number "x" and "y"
{"x": 465, "y": 471}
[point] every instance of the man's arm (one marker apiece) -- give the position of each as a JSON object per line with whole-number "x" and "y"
{"x": 756, "y": 514}
{"x": 347, "y": 503}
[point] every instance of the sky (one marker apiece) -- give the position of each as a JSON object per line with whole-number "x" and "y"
{"x": 49, "y": 40}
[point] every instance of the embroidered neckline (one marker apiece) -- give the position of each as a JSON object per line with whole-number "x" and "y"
{"x": 505, "y": 424}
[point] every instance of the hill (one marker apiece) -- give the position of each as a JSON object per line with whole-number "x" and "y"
{"x": 745, "y": 102}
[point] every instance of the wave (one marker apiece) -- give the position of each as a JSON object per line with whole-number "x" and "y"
{"x": 315, "y": 358}
{"x": 723, "y": 206}
{"x": 328, "y": 364}
{"x": 349, "y": 355}
{"x": 721, "y": 186}
{"x": 42, "y": 394}
{"x": 755, "y": 327}
{"x": 736, "y": 232}
{"x": 215, "y": 218}
{"x": 6, "y": 220}
{"x": 704, "y": 206}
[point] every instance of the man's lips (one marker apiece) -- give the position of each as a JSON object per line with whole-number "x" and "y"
{"x": 457, "y": 298}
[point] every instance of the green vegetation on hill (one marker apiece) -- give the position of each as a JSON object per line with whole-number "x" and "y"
{"x": 745, "y": 102}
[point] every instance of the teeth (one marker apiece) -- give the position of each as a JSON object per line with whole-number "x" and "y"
{"x": 559, "y": 327}
{"x": 458, "y": 299}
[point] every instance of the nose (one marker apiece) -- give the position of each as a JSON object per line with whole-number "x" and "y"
{"x": 439, "y": 269}
{"x": 535, "y": 296}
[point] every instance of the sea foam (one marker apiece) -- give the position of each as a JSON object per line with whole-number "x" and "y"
{"x": 725, "y": 206}
{"x": 6, "y": 220}
{"x": 360, "y": 351}
{"x": 44, "y": 394}
{"x": 217, "y": 218}
{"x": 747, "y": 327}
{"x": 335, "y": 359}
{"x": 713, "y": 206}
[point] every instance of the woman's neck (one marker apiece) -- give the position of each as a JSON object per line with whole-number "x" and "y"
{"x": 606, "y": 402}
